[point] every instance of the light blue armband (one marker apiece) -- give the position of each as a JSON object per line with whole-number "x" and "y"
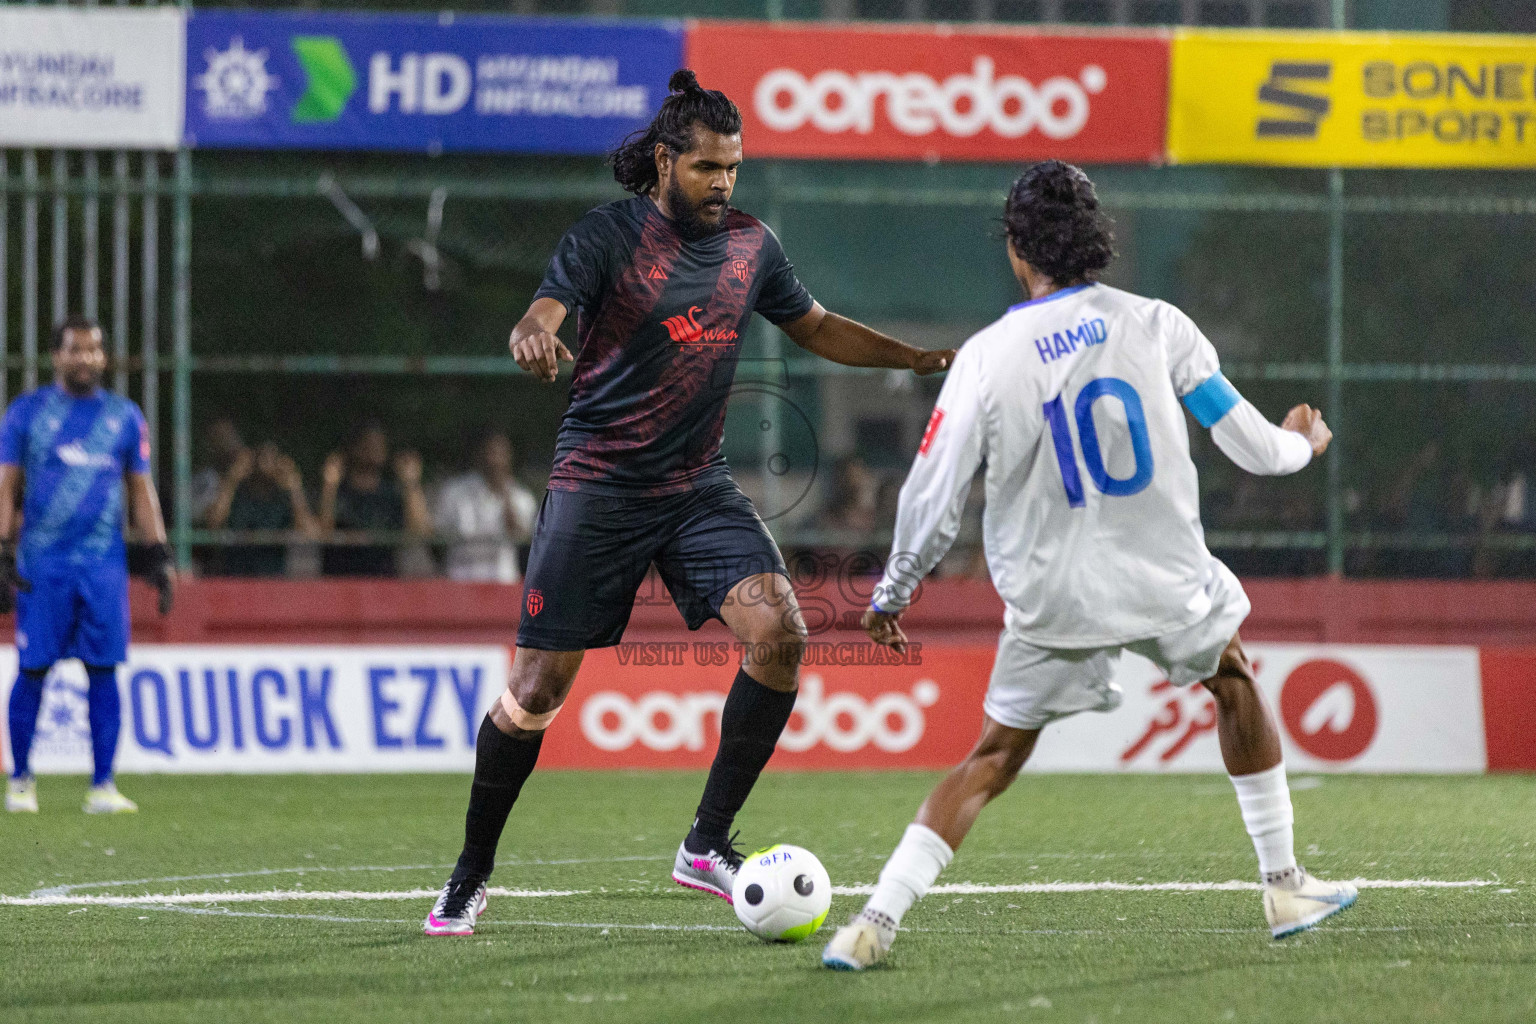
{"x": 1212, "y": 400}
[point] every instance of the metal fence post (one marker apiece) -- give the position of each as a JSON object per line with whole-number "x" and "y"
{"x": 149, "y": 325}
{"x": 1335, "y": 371}
{"x": 29, "y": 274}
{"x": 181, "y": 414}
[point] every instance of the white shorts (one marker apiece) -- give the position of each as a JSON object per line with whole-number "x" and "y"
{"x": 1032, "y": 686}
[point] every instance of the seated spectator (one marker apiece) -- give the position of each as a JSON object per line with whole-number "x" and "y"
{"x": 357, "y": 495}
{"x": 222, "y": 446}
{"x": 854, "y": 503}
{"x": 260, "y": 492}
{"x": 488, "y": 513}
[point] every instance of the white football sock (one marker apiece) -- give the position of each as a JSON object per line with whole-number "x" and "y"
{"x": 918, "y": 859}
{"x": 1265, "y": 799}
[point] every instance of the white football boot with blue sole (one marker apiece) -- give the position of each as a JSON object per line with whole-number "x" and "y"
{"x": 1302, "y": 901}
{"x": 861, "y": 943}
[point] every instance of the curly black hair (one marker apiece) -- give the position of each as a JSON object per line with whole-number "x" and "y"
{"x": 688, "y": 104}
{"x": 1055, "y": 224}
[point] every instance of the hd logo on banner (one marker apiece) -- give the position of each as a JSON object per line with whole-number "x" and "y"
{"x": 1353, "y": 100}
{"x": 106, "y": 78}
{"x": 422, "y": 84}
{"x": 278, "y": 709}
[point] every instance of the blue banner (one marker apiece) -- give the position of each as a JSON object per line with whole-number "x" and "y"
{"x": 429, "y": 84}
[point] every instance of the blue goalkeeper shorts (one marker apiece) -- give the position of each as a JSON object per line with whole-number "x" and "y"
{"x": 73, "y": 611}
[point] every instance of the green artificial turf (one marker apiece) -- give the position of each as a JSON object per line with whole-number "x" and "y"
{"x": 1418, "y": 954}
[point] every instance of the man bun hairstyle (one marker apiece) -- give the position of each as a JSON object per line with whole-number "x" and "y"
{"x": 687, "y": 104}
{"x": 1055, "y": 224}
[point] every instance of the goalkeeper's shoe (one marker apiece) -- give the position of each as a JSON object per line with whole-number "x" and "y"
{"x": 105, "y": 799}
{"x": 862, "y": 942}
{"x": 21, "y": 795}
{"x": 713, "y": 871}
{"x": 456, "y": 909}
{"x": 1300, "y": 901}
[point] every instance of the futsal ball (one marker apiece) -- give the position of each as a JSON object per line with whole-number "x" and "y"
{"x": 782, "y": 894}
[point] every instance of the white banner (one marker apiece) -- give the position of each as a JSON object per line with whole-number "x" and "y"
{"x": 1354, "y": 708}
{"x": 99, "y": 79}
{"x": 277, "y": 709}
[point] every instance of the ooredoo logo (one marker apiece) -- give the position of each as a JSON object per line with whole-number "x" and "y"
{"x": 916, "y": 104}
{"x": 1329, "y": 710}
{"x": 893, "y": 721}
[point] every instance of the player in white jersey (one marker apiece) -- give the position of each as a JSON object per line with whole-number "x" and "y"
{"x": 1093, "y": 539}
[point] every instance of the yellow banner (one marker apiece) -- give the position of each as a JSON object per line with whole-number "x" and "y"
{"x": 1353, "y": 99}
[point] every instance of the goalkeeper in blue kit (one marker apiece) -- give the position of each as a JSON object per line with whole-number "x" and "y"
{"x": 70, "y": 451}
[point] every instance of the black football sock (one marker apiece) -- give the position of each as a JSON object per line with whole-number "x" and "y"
{"x": 502, "y": 765}
{"x": 750, "y": 724}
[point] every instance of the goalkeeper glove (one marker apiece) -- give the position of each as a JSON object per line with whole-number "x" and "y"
{"x": 154, "y": 563}
{"x": 11, "y": 579}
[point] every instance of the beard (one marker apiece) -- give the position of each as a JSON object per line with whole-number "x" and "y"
{"x": 688, "y": 216}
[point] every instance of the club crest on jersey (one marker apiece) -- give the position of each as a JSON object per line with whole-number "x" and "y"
{"x": 686, "y": 330}
{"x": 741, "y": 269}
{"x": 535, "y": 602}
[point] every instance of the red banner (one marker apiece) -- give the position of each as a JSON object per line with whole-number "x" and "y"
{"x": 938, "y": 93}
{"x": 658, "y": 706}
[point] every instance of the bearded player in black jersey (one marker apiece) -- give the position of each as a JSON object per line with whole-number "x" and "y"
{"x": 663, "y": 286}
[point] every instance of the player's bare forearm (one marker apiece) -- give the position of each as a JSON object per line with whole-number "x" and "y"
{"x": 10, "y": 485}
{"x": 533, "y": 341}
{"x": 850, "y": 343}
{"x": 144, "y": 508}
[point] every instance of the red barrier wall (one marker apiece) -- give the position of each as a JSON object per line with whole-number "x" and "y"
{"x": 391, "y": 611}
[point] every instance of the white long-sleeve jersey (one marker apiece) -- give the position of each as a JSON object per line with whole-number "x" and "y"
{"x": 1092, "y": 523}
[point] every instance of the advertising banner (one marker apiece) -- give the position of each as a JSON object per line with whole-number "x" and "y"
{"x": 938, "y": 93}
{"x": 278, "y": 709}
{"x": 1353, "y": 99}
{"x": 444, "y": 83}
{"x": 75, "y": 79}
{"x": 1341, "y": 708}
{"x": 650, "y": 705}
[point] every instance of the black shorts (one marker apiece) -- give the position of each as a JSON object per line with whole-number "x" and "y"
{"x": 591, "y": 553}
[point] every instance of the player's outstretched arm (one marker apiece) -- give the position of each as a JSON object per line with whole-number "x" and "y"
{"x": 145, "y": 518}
{"x": 534, "y": 344}
{"x": 850, "y": 343}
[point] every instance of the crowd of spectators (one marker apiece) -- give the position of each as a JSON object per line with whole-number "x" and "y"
{"x": 376, "y": 512}
{"x": 373, "y": 514}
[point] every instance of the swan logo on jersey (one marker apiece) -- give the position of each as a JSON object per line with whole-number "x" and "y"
{"x": 686, "y": 330}
{"x": 75, "y": 455}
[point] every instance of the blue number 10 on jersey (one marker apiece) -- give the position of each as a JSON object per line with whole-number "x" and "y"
{"x": 1093, "y": 457}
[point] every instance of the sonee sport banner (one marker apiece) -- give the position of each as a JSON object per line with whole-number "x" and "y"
{"x": 1353, "y": 99}
{"x": 924, "y": 93}
{"x": 267, "y": 80}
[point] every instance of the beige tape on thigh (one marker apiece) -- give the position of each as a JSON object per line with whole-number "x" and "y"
{"x": 525, "y": 720}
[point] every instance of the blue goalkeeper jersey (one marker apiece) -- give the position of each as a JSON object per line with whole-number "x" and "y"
{"x": 73, "y": 453}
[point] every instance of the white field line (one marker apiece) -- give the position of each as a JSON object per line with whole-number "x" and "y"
{"x": 270, "y": 896}
{"x": 486, "y": 926}
{"x": 56, "y": 899}
{"x": 974, "y": 889}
